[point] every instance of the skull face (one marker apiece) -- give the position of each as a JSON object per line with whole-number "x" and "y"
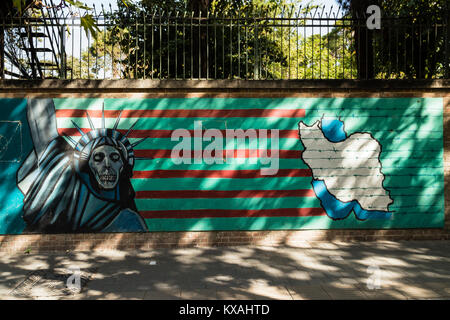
{"x": 106, "y": 164}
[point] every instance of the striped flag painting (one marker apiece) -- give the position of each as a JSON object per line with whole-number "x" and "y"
{"x": 228, "y": 189}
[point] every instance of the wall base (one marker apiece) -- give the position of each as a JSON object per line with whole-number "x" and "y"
{"x": 156, "y": 240}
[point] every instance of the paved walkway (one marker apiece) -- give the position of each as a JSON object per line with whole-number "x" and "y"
{"x": 363, "y": 270}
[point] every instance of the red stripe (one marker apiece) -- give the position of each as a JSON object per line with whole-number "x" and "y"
{"x": 164, "y": 153}
{"x": 185, "y": 113}
{"x": 194, "y": 194}
{"x": 236, "y": 174}
{"x": 289, "y": 134}
{"x": 184, "y": 214}
{"x": 168, "y": 133}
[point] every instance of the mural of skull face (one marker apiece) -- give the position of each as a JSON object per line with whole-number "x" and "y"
{"x": 106, "y": 164}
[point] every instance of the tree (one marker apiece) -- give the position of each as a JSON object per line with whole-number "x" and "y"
{"x": 419, "y": 49}
{"x": 247, "y": 39}
{"x": 6, "y": 8}
{"x": 22, "y": 36}
{"x": 329, "y": 56}
{"x": 411, "y": 42}
{"x": 224, "y": 39}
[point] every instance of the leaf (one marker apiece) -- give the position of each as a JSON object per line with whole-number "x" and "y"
{"x": 19, "y": 4}
{"x": 88, "y": 24}
{"x": 78, "y": 4}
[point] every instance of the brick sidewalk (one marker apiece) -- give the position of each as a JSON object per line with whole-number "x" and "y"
{"x": 316, "y": 270}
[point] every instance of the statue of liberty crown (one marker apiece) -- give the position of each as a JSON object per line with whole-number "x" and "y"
{"x": 89, "y": 140}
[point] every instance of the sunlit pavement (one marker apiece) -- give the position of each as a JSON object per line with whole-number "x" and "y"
{"x": 314, "y": 270}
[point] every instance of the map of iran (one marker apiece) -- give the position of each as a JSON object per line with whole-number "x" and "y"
{"x": 346, "y": 170}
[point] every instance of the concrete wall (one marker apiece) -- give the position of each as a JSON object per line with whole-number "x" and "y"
{"x": 409, "y": 120}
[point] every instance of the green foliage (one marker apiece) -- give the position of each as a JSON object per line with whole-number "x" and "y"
{"x": 19, "y": 4}
{"x": 78, "y": 4}
{"x": 240, "y": 39}
{"x": 410, "y": 45}
{"x": 87, "y": 20}
{"x": 97, "y": 61}
{"x": 416, "y": 51}
{"x": 88, "y": 24}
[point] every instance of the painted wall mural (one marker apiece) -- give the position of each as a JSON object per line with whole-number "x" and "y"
{"x": 83, "y": 187}
{"x": 173, "y": 164}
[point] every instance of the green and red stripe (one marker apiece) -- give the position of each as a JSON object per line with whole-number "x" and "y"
{"x": 184, "y": 113}
{"x": 196, "y": 196}
{"x": 207, "y": 194}
{"x": 230, "y": 153}
{"x": 140, "y": 133}
{"x": 232, "y": 213}
{"x": 236, "y": 174}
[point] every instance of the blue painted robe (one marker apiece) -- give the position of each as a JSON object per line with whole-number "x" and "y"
{"x": 58, "y": 198}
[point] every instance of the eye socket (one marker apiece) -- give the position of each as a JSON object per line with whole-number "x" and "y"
{"x": 114, "y": 156}
{"x": 98, "y": 157}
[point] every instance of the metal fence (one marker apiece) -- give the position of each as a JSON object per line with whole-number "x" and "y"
{"x": 287, "y": 43}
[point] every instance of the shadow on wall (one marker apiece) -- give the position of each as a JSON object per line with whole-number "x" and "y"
{"x": 15, "y": 145}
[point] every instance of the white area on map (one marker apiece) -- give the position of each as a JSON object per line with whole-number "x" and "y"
{"x": 351, "y": 169}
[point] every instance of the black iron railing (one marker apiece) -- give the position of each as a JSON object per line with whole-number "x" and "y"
{"x": 308, "y": 43}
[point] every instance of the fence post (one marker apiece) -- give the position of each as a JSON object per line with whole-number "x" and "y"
{"x": 63, "y": 53}
{"x": 2, "y": 50}
{"x": 447, "y": 45}
{"x": 256, "y": 64}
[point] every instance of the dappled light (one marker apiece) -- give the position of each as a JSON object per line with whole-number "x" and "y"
{"x": 331, "y": 270}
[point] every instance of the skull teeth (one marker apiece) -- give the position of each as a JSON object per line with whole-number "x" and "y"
{"x": 108, "y": 178}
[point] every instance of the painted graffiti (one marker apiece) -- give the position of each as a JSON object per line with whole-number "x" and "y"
{"x": 178, "y": 164}
{"x": 346, "y": 170}
{"x": 84, "y": 187}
